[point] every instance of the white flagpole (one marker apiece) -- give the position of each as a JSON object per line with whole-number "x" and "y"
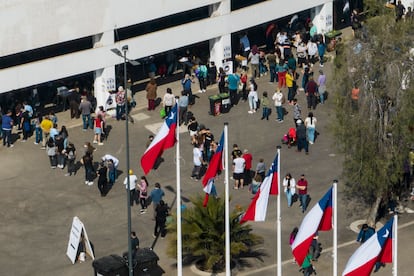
{"x": 335, "y": 228}
{"x": 179, "y": 234}
{"x": 279, "y": 225}
{"x": 227, "y": 199}
{"x": 395, "y": 246}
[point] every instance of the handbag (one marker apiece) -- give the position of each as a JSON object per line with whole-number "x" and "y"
{"x": 163, "y": 113}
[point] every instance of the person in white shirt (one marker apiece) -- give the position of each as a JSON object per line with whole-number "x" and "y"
{"x": 107, "y": 157}
{"x": 133, "y": 179}
{"x": 278, "y": 99}
{"x": 312, "y": 52}
{"x": 198, "y": 162}
{"x": 289, "y": 185}
{"x": 252, "y": 97}
{"x": 238, "y": 172}
{"x": 168, "y": 101}
{"x": 310, "y": 124}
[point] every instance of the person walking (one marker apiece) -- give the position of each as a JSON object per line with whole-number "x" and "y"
{"x": 132, "y": 187}
{"x": 289, "y": 185}
{"x": 87, "y": 162}
{"x": 311, "y": 90}
{"x": 238, "y": 171}
{"x": 160, "y": 218}
{"x": 102, "y": 179}
{"x": 302, "y": 187}
{"x": 310, "y": 124}
{"x": 156, "y": 196}
{"x": 134, "y": 243}
{"x": 321, "y": 86}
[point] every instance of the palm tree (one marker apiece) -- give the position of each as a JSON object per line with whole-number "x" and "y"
{"x": 203, "y": 236}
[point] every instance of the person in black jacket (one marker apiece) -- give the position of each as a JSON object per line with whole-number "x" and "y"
{"x": 301, "y": 137}
{"x": 160, "y": 219}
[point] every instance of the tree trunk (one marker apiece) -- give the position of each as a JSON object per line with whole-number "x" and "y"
{"x": 374, "y": 211}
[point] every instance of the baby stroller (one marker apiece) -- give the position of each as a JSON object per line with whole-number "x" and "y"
{"x": 290, "y": 137}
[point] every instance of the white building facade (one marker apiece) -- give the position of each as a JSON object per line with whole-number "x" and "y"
{"x": 33, "y": 24}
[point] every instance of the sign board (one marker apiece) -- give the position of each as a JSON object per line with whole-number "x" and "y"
{"x": 77, "y": 235}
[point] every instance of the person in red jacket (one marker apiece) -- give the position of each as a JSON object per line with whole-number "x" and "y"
{"x": 248, "y": 158}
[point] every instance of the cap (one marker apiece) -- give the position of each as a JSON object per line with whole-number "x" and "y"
{"x": 299, "y": 121}
{"x": 131, "y": 172}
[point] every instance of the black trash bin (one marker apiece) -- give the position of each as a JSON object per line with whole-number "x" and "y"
{"x": 215, "y": 105}
{"x": 112, "y": 265}
{"x": 225, "y": 102}
{"x": 144, "y": 261}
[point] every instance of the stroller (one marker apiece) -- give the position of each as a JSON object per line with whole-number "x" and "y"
{"x": 290, "y": 137}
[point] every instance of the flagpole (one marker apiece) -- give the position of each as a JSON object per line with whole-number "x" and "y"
{"x": 179, "y": 235}
{"x": 279, "y": 219}
{"x": 395, "y": 246}
{"x": 227, "y": 199}
{"x": 335, "y": 229}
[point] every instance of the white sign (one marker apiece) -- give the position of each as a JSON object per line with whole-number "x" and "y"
{"x": 227, "y": 52}
{"x": 75, "y": 237}
{"x": 110, "y": 84}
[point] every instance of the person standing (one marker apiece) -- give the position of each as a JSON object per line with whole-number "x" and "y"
{"x": 233, "y": 84}
{"x": 197, "y": 161}
{"x": 254, "y": 58}
{"x": 278, "y": 99}
{"x": 302, "y": 187}
{"x": 186, "y": 83}
{"x": 120, "y": 103}
{"x": 132, "y": 187}
{"x": 156, "y": 196}
{"x": 160, "y": 218}
{"x": 221, "y": 80}
{"x": 302, "y": 142}
{"x": 98, "y": 130}
{"x": 281, "y": 69}
{"x": 399, "y": 11}
{"x": 271, "y": 60}
{"x": 252, "y": 97}
{"x": 238, "y": 172}
{"x": 6, "y": 126}
{"x": 311, "y": 90}
{"x": 289, "y": 185}
{"x": 365, "y": 233}
{"x": 265, "y": 106}
{"x": 310, "y": 124}
{"x": 51, "y": 152}
{"x": 248, "y": 158}
{"x": 85, "y": 108}
{"x": 151, "y": 89}
{"x": 46, "y": 125}
{"x": 261, "y": 168}
{"x": 134, "y": 243}
{"x": 321, "y": 86}
{"x": 289, "y": 84}
{"x": 70, "y": 153}
{"x": 321, "y": 50}
{"x": 143, "y": 194}
{"x": 168, "y": 101}
{"x": 183, "y": 107}
{"x": 297, "y": 111}
{"x": 112, "y": 164}
{"x": 202, "y": 77}
{"x": 102, "y": 179}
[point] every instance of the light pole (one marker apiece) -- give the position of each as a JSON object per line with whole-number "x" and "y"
{"x": 123, "y": 54}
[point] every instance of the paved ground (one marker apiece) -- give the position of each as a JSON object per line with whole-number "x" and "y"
{"x": 37, "y": 203}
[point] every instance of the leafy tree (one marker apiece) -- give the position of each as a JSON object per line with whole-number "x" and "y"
{"x": 203, "y": 236}
{"x": 375, "y": 138}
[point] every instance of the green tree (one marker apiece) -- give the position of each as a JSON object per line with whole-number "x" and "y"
{"x": 375, "y": 138}
{"x": 203, "y": 236}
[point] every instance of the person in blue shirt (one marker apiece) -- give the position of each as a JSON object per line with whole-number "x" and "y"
{"x": 365, "y": 233}
{"x": 233, "y": 83}
{"x": 6, "y": 126}
{"x": 321, "y": 51}
{"x": 156, "y": 196}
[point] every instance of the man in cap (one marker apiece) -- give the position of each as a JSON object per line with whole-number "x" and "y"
{"x": 132, "y": 186}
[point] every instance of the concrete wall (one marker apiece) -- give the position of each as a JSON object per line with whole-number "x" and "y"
{"x": 36, "y": 23}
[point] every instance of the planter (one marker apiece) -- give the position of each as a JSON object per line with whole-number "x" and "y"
{"x": 197, "y": 271}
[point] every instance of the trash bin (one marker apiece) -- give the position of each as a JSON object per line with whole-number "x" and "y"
{"x": 215, "y": 105}
{"x": 225, "y": 102}
{"x": 330, "y": 39}
{"x": 112, "y": 265}
{"x": 146, "y": 260}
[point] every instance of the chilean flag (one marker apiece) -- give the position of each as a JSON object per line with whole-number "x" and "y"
{"x": 319, "y": 218}
{"x": 164, "y": 139}
{"x": 378, "y": 248}
{"x": 214, "y": 167}
{"x": 258, "y": 207}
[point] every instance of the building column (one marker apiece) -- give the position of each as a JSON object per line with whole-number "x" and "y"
{"x": 220, "y": 47}
{"x": 323, "y": 17}
{"x": 104, "y": 81}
